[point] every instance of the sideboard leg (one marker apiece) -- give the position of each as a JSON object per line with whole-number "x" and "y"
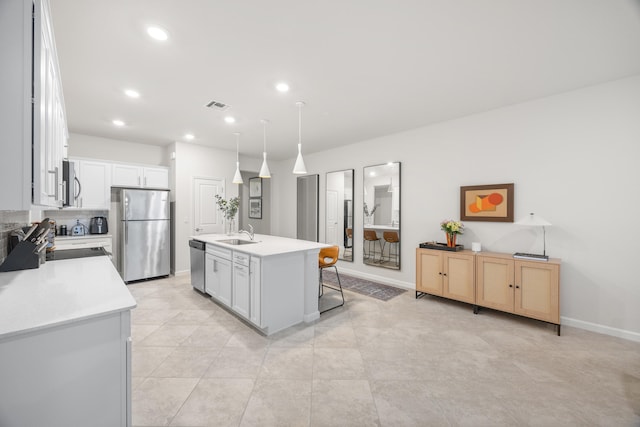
{"x": 558, "y": 329}
{"x": 476, "y": 309}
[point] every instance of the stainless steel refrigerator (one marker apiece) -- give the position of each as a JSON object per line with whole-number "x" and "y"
{"x": 143, "y": 233}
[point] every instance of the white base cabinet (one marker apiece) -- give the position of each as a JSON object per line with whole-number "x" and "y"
{"x": 76, "y": 374}
{"x": 217, "y": 274}
{"x": 265, "y": 291}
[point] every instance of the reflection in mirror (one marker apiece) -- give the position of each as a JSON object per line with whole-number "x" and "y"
{"x": 339, "y": 212}
{"x": 381, "y": 216}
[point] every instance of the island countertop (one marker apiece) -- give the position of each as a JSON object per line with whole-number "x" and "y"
{"x": 60, "y": 292}
{"x": 265, "y": 245}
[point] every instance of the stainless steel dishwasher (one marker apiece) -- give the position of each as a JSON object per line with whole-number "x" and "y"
{"x": 197, "y": 252}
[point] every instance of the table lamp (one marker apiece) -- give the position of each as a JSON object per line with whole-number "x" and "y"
{"x": 534, "y": 220}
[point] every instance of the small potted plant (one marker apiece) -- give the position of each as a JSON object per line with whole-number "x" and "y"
{"x": 452, "y": 229}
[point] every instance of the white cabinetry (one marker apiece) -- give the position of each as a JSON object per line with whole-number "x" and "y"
{"x": 241, "y": 297}
{"x": 140, "y": 176}
{"x": 95, "y": 181}
{"x": 218, "y": 276}
{"x": 73, "y": 374}
{"x": 32, "y": 116}
{"x": 255, "y": 274}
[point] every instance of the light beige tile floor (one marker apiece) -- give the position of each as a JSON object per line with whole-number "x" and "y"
{"x": 404, "y": 362}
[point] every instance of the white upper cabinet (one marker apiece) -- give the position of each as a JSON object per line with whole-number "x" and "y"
{"x": 140, "y": 176}
{"x": 31, "y": 107}
{"x": 95, "y": 181}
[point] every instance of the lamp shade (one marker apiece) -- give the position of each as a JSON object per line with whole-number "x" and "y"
{"x": 533, "y": 220}
{"x": 237, "y": 178}
{"x": 299, "y": 167}
{"x": 264, "y": 169}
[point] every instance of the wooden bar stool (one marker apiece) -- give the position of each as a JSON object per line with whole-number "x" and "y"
{"x": 392, "y": 238}
{"x": 327, "y": 257}
{"x": 371, "y": 237}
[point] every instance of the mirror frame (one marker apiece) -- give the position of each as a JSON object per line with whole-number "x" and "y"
{"x": 385, "y": 246}
{"x": 345, "y": 240}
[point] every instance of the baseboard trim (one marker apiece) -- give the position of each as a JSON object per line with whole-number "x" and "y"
{"x": 601, "y": 329}
{"x": 182, "y": 273}
{"x": 379, "y": 279}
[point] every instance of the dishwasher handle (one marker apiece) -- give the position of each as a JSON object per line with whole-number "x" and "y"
{"x": 197, "y": 244}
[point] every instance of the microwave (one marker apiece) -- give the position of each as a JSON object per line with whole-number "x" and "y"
{"x": 71, "y": 184}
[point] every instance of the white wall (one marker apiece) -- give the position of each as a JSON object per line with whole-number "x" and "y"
{"x": 574, "y": 160}
{"x": 116, "y": 150}
{"x": 196, "y": 161}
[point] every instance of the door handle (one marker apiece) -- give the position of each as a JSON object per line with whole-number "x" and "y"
{"x": 198, "y": 229}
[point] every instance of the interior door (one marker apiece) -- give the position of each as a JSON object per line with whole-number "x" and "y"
{"x": 332, "y": 217}
{"x": 207, "y": 218}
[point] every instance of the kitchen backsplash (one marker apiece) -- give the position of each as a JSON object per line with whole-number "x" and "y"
{"x": 69, "y": 217}
{"x": 10, "y": 220}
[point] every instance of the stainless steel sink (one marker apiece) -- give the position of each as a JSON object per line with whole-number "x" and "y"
{"x": 237, "y": 242}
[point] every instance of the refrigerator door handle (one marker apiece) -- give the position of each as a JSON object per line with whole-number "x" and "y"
{"x": 126, "y": 232}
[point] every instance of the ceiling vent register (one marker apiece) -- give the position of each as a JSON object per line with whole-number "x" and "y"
{"x": 217, "y": 105}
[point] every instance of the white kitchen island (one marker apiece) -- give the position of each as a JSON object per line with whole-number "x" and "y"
{"x": 272, "y": 283}
{"x": 65, "y": 345}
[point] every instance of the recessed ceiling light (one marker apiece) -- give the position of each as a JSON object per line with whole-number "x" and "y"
{"x": 229, "y": 119}
{"x": 282, "y": 87}
{"x": 118, "y": 123}
{"x": 158, "y": 33}
{"x": 132, "y": 93}
{"x": 188, "y": 136}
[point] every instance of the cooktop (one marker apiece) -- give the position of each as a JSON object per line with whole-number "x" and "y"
{"x": 75, "y": 253}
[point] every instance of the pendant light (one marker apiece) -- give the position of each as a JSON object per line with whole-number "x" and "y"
{"x": 237, "y": 178}
{"x": 264, "y": 169}
{"x": 299, "y": 167}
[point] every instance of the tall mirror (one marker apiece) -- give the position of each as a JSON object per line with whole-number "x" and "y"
{"x": 339, "y": 212}
{"x": 381, "y": 216}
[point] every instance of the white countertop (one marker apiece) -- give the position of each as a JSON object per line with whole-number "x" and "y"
{"x": 381, "y": 227}
{"x": 60, "y": 292}
{"x": 266, "y": 246}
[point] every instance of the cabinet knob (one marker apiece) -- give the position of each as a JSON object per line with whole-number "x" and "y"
{"x": 444, "y": 274}
{"x": 517, "y": 287}
{"x": 440, "y": 274}
{"x": 510, "y": 285}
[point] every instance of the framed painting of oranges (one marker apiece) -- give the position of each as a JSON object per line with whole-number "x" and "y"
{"x": 487, "y": 203}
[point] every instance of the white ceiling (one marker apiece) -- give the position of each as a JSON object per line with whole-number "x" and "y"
{"x": 365, "y": 68}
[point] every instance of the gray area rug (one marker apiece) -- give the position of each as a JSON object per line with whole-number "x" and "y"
{"x": 363, "y": 286}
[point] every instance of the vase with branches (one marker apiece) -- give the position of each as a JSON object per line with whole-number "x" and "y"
{"x": 229, "y": 209}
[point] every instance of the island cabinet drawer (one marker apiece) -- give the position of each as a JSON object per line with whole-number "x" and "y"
{"x": 219, "y": 251}
{"x": 241, "y": 258}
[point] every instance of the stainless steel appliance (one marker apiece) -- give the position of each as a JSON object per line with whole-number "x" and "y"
{"x": 98, "y": 225}
{"x": 197, "y": 252}
{"x": 143, "y": 234}
{"x": 72, "y": 187}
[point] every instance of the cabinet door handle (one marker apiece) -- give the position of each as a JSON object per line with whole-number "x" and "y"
{"x": 440, "y": 273}
{"x": 517, "y": 287}
{"x": 138, "y": 180}
{"x": 444, "y": 274}
{"x": 510, "y": 285}
{"x": 145, "y": 181}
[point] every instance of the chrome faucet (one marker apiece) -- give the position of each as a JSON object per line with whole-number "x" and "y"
{"x": 249, "y": 233}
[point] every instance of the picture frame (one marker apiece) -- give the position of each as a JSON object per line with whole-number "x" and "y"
{"x": 255, "y": 187}
{"x": 492, "y": 203}
{"x": 255, "y": 208}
